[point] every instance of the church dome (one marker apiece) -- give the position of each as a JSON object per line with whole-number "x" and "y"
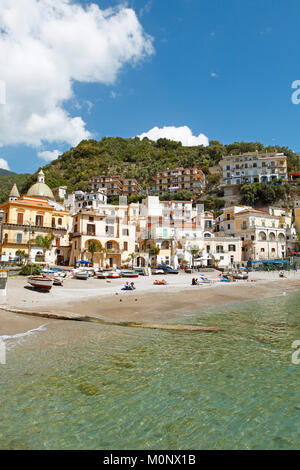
{"x": 40, "y": 189}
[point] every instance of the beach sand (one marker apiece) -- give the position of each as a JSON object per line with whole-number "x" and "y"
{"x": 148, "y": 303}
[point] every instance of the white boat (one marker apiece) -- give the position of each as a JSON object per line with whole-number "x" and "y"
{"x": 57, "y": 279}
{"x": 41, "y": 282}
{"x": 102, "y": 274}
{"x": 82, "y": 275}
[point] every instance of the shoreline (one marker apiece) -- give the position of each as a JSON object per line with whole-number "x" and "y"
{"x": 148, "y": 305}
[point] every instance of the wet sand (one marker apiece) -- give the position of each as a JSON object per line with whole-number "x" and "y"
{"x": 148, "y": 303}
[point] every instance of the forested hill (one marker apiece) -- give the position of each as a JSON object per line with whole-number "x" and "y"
{"x": 133, "y": 158}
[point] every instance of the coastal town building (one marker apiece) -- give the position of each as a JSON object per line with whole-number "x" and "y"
{"x": 171, "y": 181}
{"x": 26, "y": 217}
{"x": 116, "y": 186}
{"x": 182, "y": 234}
{"x": 263, "y": 234}
{"x": 80, "y": 200}
{"x": 114, "y": 226}
{"x": 252, "y": 167}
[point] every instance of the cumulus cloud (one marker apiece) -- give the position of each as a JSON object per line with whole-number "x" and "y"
{"x": 45, "y": 46}
{"x": 4, "y": 164}
{"x": 48, "y": 155}
{"x": 181, "y": 134}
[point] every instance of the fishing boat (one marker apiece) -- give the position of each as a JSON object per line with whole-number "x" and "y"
{"x": 102, "y": 275}
{"x": 113, "y": 275}
{"x": 57, "y": 279}
{"x": 129, "y": 274}
{"x": 43, "y": 283}
{"x": 82, "y": 275}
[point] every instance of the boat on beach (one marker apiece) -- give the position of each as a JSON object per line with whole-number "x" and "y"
{"x": 82, "y": 274}
{"x": 129, "y": 274}
{"x": 58, "y": 280}
{"x": 43, "y": 283}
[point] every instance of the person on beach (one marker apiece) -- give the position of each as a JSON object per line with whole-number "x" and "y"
{"x": 132, "y": 286}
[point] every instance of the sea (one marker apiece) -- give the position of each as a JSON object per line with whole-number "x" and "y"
{"x": 69, "y": 385}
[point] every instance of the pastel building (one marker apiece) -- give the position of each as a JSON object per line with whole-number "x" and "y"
{"x": 113, "y": 226}
{"x": 26, "y": 217}
{"x": 253, "y": 167}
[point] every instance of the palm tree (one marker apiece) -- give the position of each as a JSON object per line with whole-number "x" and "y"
{"x": 194, "y": 252}
{"x": 154, "y": 251}
{"x": 94, "y": 247}
{"x": 45, "y": 242}
{"x": 21, "y": 255}
{"x": 132, "y": 257}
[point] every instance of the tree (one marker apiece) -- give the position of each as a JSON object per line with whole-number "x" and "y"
{"x": 154, "y": 251}
{"x": 94, "y": 246}
{"x": 21, "y": 255}
{"x": 132, "y": 257}
{"x": 45, "y": 242}
{"x": 194, "y": 251}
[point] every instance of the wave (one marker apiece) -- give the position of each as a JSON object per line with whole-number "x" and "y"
{"x": 20, "y": 336}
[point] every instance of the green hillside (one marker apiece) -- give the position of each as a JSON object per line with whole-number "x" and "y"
{"x": 6, "y": 183}
{"x": 132, "y": 158}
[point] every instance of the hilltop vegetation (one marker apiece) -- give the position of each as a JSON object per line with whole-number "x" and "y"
{"x": 133, "y": 158}
{"x": 6, "y": 183}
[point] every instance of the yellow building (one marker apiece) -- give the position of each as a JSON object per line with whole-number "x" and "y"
{"x": 35, "y": 214}
{"x": 297, "y": 218}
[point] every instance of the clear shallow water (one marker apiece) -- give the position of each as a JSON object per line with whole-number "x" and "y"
{"x": 104, "y": 387}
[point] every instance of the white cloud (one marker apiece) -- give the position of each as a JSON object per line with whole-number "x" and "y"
{"x": 4, "y": 164}
{"x": 48, "y": 155}
{"x": 47, "y": 45}
{"x": 181, "y": 134}
{"x": 114, "y": 94}
{"x": 214, "y": 75}
{"x": 146, "y": 8}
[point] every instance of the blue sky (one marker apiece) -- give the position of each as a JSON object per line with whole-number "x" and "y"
{"x": 222, "y": 68}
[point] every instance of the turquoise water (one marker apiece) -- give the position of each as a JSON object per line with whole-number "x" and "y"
{"x": 88, "y": 386}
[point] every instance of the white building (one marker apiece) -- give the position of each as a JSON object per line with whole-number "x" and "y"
{"x": 253, "y": 167}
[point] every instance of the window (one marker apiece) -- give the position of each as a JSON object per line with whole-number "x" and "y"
{"x": 228, "y": 216}
{"x": 91, "y": 229}
{"x": 125, "y": 246}
{"x": 19, "y": 237}
{"x": 231, "y": 247}
{"x": 59, "y": 221}
{"x": 39, "y": 220}
{"x": 109, "y": 229}
{"x": 91, "y": 219}
{"x": 228, "y": 226}
{"x": 20, "y": 218}
{"x": 262, "y": 250}
{"x": 273, "y": 250}
{"x": 208, "y": 224}
{"x": 53, "y": 222}
{"x": 125, "y": 232}
{"x": 75, "y": 228}
{"x": 220, "y": 249}
{"x": 109, "y": 245}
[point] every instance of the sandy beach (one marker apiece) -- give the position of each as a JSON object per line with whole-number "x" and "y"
{"x": 148, "y": 303}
